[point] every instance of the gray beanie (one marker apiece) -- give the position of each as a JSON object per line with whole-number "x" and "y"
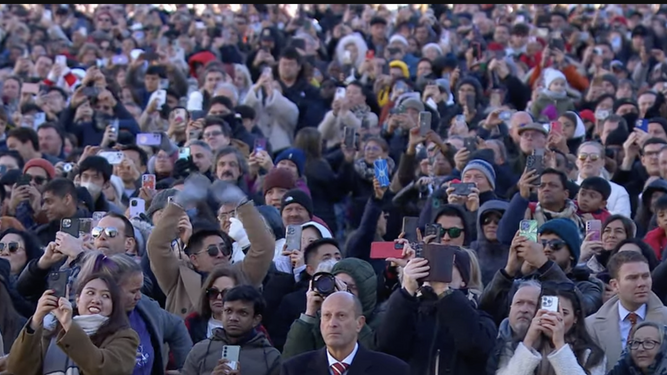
{"x": 482, "y": 166}
{"x": 160, "y": 201}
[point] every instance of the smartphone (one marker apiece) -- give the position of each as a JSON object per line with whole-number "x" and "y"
{"x": 441, "y": 262}
{"x": 161, "y": 97}
{"x": 528, "y": 229}
{"x": 434, "y": 229}
{"x": 113, "y": 157}
{"x": 149, "y": 139}
{"x": 470, "y": 101}
{"x": 557, "y": 43}
{"x": 410, "y": 225}
{"x": 463, "y": 189}
{"x": 340, "y": 93}
{"x": 184, "y": 153}
{"x": 30, "y": 88}
{"x": 148, "y": 181}
{"x": 550, "y": 303}
{"x": 267, "y": 72}
{"x": 381, "y": 172}
{"x": 384, "y": 250}
{"x": 293, "y": 237}
{"x": 556, "y": 127}
{"x": 470, "y": 144}
{"x": 594, "y": 228}
{"x": 601, "y": 114}
{"x": 137, "y": 207}
{"x": 347, "y": 57}
{"x": 61, "y": 60}
{"x": 370, "y": 54}
{"x": 535, "y": 162}
{"x": 97, "y": 216}
{"x": 350, "y": 138}
{"x": 115, "y": 125}
{"x": 231, "y": 353}
{"x": 641, "y": 124}
{"x": 70, "y": 226}
{"x": 424, "y": 123}
{"x": 476, "y": 50}
{"x": 180, "y": 114}
{"x": 24, "y": 180}
{"x": 85, "y": 226}
{"x": 58, "y": 281}
{"x": 260, "y": 144}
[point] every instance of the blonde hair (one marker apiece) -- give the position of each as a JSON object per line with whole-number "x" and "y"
{"x": 475, "y": 283}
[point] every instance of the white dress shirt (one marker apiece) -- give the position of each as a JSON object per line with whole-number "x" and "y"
{"x": 347, "y": 360}
{"x": 624, "y": 323}
{"x": 618, "y": 202}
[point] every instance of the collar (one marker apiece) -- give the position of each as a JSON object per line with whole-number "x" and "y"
{"x": 348, "y": 360}
{"x": 623, "y": 312}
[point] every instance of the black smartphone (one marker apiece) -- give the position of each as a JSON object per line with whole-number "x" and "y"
{"x": 433, "y": 230}
{"x": 293, "y": 237}
{"x": 70, "y": 226}
{"x": 410, "y": 225}
{"x": 462, "y": 189}
{"x": 470, "y": 144}
{"x": 58, "y": 281}
{"x": 441, "y": 262}
{"x": 470, "y": 101}
{"x": 424, "y": 123}
{"x": 349, "y": 138}
{"x": 557, "y": 43}
{"x": 535, "y": 162}
{"x": 24, "y": 180}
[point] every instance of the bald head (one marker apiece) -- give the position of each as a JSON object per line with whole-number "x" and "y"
{"x": 344, "y": 301}
{"x": 519, "y": 118}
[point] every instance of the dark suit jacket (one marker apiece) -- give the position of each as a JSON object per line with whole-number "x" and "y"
{"x": 365, "y": 362}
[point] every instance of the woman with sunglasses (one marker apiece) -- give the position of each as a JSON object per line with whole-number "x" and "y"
{"x": 154, "y": 325}
{"x": 96, "y": 340}
{"x": 18, "y": 248}
{"x": 557, "y": 341}
{"x": 615, "y": 229}
{"x": 645, "y": 351}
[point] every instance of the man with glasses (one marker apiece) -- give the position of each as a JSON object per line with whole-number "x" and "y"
{"x": 633, "y": 303}
{"x": 216, "y": 133}
{"x": 531, "y": 136}
{"x": 26, "y": 199}
{"x": 590, "y": 162}
{"x": 114, "y": 234}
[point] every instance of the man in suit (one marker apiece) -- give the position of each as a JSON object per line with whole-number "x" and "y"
{"x": 342, "y": 319}
{"x": 634, "y": 303}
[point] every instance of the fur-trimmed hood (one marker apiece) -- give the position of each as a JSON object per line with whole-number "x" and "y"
{"x": 362, "y": 48}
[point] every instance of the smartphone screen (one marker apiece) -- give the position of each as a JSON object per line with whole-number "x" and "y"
{"x": 30, "y": 88}
{"x": 441, "y": 262}
{"x": 293, "y": 237}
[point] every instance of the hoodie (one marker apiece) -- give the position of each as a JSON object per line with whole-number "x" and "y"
{"x": 579, "y": 132}
{"x": 492, "y": 255}
{"x": 283, "y": 262}
{"x": 257, "y": 356}
{"x": 644, "y": 219}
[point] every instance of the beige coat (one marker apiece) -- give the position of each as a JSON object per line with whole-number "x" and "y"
{"x": 176, "y": 277}
{"x": 603, "y": 326}
{"x": 116, "y": 356}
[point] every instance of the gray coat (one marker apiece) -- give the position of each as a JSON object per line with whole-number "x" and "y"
{"x": 164, "y": 327}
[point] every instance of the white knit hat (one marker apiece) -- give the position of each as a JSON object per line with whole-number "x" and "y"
{"x": 550, "y": 75}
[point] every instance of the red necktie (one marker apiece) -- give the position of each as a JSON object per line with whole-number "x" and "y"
{"x": 632, "y": 317}
{"x": 339, "y": 368}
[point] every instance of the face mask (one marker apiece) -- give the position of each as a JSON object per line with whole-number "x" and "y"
{"x": 93, "y": 189}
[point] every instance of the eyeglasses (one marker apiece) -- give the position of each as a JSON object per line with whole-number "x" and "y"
{"x": 372, "y": 148}
{"x": 554, "y": 244}
{"x": 37, "y": 179}
{"x": 12, "y": 247}
{"x": 213, "y": 293}
{"x": 226, "y": 215}
{"x": 452, "y": 232}
{"x": 212, "y": 134}
{"x": 491, "y": 219}
{"x": 214, "y": 250}
{"x": 648, "y": 344}
{"x": 104, "y": 19}
{"x": 593, "y": 157}
{"x": 109, "y": 232}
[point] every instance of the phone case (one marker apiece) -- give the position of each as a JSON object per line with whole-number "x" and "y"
{"x": 424, "y": 123}
{"x": 148, "y": 181}
{"x": 642, "y": 124}
{"x": 184, "y": 153}
{"x": 85, "y": 225}
{"x": 528, "y": 229}
{"x": 293, "y": 237}
{"x": 137, "y": 207}
{"x": 433, "y": 230}
{"x": 549, "y": 303}
{"x": 463, "y": 188}
{"x": 149, "y": 139}
{"x": 382, "y": 172}
{"x": 594, "y": 227}
{"x": 410, "y": 225}
{"x": 556, "y": 127}
{"x": 58, "y": 281}
{"x": 441, "y": 262}
{"x": 470, "y": 144}
{"x": 384, "y": 250}
{"x": 534, "y": 162}
{"x": 349, "y": 138}
{"x": 260, "y": 144}
{"x": 70, "y": 226}
{"x": 113, "y": 157}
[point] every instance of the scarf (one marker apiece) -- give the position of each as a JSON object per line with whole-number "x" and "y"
{"x": 569, "y": 212}
{"x": 554, "y": 95}
{"x": 367, "y": 172}
{"x": 56, "y": 362}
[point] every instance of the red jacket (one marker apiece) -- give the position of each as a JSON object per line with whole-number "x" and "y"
{"x": 657, "y": 239}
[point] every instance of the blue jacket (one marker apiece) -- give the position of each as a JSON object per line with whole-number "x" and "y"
{"x": 88, "y": 134}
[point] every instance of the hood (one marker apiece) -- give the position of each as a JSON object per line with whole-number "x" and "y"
{"x": 580, "y": 130}
{"x": 203, "y": 58}
{"x": 359, "y": 42}
{"x": 324, "y": 232}
{"x": 461, "y": 214}
{"x": 492, "y": 205}
{"x": 254, "y": 339}
{"x": 364, "y": 276}
{"x": 657, "y": 185}
{"x": 474, "y": 82}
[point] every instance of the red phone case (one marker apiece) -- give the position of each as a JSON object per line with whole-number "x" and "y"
{"x": 384, "y": 250}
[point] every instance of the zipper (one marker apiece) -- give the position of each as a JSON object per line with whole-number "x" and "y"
{"x": 437, "y": 362}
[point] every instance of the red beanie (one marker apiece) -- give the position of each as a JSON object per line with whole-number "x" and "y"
{"x": 41, "y": 163}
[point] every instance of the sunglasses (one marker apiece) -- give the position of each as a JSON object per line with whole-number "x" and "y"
{"x": 213, "y": 293}
{"x": 554, "y": 244}
{"x": 109, "y": 232}
{"x": 491, "y": 219}
{"x": 37, "y": 179}
{"x": 12, "y": 247}
{"x": 214, "y": 250}
{"x": 593, "y": 157}
{"x": 453, "y": 232}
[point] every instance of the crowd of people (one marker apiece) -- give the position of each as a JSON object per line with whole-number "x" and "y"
{"x": 333, "y": 189}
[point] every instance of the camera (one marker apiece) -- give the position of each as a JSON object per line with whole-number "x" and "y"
{"x": 67, "y": 167}
{"x": 324, "y": 283}
{"x": 134, "y": 203}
